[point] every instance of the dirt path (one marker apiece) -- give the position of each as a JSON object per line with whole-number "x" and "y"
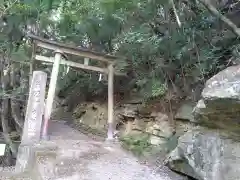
{"x": 80, "y": 157}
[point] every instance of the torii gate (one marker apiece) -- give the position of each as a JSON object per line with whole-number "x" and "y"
{"x": 61, "y": 49}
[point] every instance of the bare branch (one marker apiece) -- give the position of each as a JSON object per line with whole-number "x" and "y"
{"x": 223, "y": 18}
{"x": 175, "y": 13}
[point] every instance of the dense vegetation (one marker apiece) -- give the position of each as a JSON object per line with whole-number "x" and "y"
{"x": 166, "y": 45}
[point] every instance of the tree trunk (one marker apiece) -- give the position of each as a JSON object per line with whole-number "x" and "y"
{"x": 15, "y": 104}
{"x": 5, "y": 79}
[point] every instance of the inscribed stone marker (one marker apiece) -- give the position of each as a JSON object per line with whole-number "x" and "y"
{"x": 35, "y": 107}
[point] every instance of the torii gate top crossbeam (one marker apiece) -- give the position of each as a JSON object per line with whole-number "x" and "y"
{"x": 52, "y": 45}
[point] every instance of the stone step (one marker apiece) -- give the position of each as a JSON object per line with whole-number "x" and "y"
{"x": 76, "y": 149}
{"x": 58, "y": 167}
{"x": 16, "y": 177}
{"x": 10, "y": 174}
{"x": 72, "y": 177}
{"x": 74, "y": 162}
{"x": 61, "y": 159}
{"x": 44, "y": 166}
{"x": 65, "y": 160}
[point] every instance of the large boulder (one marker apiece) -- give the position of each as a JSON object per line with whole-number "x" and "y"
{"x": 220, "y": 103}
{"x": 206, "y": 155}
{"x": 212, "y": 150}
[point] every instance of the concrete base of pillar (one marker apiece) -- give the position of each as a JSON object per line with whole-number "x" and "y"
{"x": 25, "y": 158}
{"x": 110, "y": 133}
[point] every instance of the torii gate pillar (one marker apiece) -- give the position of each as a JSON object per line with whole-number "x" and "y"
{"x": 110, "y": 134}
{"x": 51, "y": 94}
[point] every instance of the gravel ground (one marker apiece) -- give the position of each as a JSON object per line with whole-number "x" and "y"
{"x": 105, "y": 160}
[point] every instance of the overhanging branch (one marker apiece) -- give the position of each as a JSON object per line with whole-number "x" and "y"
{"x": 223, "y": 18}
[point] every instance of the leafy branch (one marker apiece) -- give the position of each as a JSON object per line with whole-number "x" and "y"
{"x": 4, "y": 11}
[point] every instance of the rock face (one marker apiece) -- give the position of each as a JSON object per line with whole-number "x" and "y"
{"x": 220, "y": 103}
{"x": 211, "y": 151}
{"x": 160, "y": 129}
{"x": 92, "y": 114}
{"x": 131, "y": 119}
{"x": 206, "y": 155}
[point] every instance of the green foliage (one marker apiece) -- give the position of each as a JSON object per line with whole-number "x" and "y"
{"x": 158, "y": 52}
{"x": 138, "y": 144}
{"x": 151, "y": 88}
{"x": 158, "y": 89}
